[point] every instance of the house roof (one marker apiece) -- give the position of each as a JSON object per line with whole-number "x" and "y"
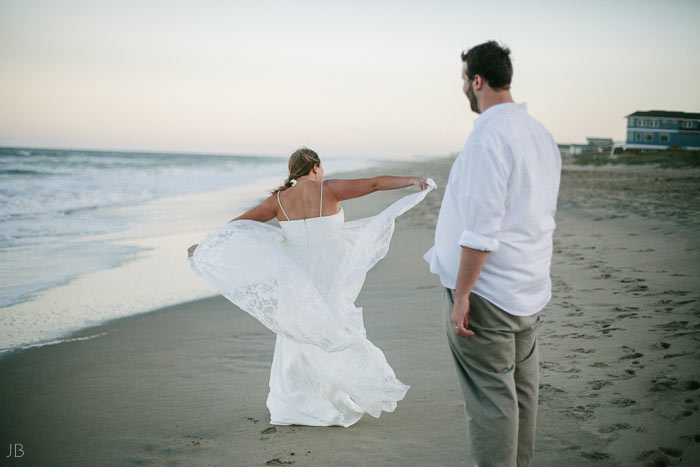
{"x": 665, "y": 114}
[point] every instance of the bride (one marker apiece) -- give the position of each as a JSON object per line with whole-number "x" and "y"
{"x": 301, "y": 281}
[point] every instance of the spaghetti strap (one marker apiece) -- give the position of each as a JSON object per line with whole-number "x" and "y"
{"x": 280, "y": 203}
{"x": 320, "y": 210}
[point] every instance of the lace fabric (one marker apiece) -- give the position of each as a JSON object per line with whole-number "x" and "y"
{"x": 301, "y": 281}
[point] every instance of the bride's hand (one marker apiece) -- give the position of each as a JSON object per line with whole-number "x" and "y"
{"x": 420, "y": 182}
{"x": 190, "y": 250}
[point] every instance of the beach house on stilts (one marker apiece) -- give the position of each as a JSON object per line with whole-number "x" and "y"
{"x": 661, "y": 129}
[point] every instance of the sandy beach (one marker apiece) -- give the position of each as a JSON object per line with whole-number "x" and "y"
{"x": 186, "y": 385}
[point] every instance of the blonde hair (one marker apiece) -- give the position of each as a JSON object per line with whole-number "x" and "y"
{"x": 301, "y": 162}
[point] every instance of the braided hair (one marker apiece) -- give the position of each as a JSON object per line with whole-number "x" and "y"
{"x": 301, "y": 162}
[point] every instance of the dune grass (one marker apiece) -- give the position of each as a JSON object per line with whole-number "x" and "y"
{"x": 670, "y": 158}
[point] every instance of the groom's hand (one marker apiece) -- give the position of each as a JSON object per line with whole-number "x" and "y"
{"x": 459, "y": 318}
{"x": 470, "y": 265}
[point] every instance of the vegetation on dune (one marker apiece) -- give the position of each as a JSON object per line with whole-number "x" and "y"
{"x": 669, "y": 158}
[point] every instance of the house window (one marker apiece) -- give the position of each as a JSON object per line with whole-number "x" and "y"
{"x": 640, "y": 122}
{"x": 687, "y": 124}
{"x": 654, "y": 123}
{"x": 648, "y": 137}
{"x": 630, "y": 136}
{"x": 664, "y": 137}
{"x": 638, "y": 136}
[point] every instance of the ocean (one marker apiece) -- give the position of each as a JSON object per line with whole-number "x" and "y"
{"x": 69, "y": 215}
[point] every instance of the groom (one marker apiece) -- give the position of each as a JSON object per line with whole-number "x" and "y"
{"x": 493, "y": 248}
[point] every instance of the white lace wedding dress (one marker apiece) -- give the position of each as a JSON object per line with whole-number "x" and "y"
{"x": 301, "y": 281}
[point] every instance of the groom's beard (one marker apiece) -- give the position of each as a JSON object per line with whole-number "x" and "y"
{"x": 473, "y": 102}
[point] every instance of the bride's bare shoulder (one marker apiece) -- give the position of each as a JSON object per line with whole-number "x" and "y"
{"x": 350, "y": 188}
{"x": 263, "y": 212}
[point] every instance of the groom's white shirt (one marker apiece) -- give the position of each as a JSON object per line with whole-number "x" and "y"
{"x": 501, "y": 197}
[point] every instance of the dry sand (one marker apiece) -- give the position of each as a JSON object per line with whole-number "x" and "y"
{"x": 186, "y": 385}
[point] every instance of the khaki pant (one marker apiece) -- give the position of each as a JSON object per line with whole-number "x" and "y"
{"x": 498, "y": 372}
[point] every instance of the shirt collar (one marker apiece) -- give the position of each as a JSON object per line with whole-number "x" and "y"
{"x": 505, "y": 107}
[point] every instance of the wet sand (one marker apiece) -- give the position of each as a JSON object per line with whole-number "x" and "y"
{"x": 186, "y": 385}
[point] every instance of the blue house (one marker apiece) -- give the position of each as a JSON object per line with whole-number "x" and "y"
{"x": 660, "y": 129}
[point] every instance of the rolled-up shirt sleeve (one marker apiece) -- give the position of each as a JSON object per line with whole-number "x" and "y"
{"x": 482, "y": 197}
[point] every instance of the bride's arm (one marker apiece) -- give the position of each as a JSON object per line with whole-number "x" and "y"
{"x": 348, "y": 189}
{"x": 263, "y": 212}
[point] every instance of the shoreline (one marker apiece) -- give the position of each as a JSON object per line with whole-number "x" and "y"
{"x": 145, "y": 241}
{"x": 186, "y": 384}
{"x": 146, "y": 279}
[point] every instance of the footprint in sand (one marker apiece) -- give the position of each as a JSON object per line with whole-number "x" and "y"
{"x": 597, "y": 385}
{"x": 581, "y": 412}
{"x": 684, "y": 302}
{"x": 546, "y": 387}
{"x": 682, "y": 293}
{"x": 637, "y": 288}
{"x": 193, "y": 440}
{"x": 627, "y": 374}
{"x": 690, "y": 408}
{"x": 674, "y": 325}
{"x": 576, "y": 335}
{"x": 548, "y": 392}
{"x": 631, "y": 353}
{"x": 271, "y": 430}
{"x": 661, "y": 457}
{"x": 615, "y": 427}
{"x": 618, "y": 309}
{"x": 623, "y": 402}
{"x": 665, "y": 383}
{"x": 554, "y": 366}
{"x": 278, "y": 461}
{"x": 632, "y": 356}
{"x": 674, "y": 355}
{"x": 673, "y": 452}
{"x": 576, "y": 352}
{"x": 595, "y": 455}
{"x": 606, "y": 329}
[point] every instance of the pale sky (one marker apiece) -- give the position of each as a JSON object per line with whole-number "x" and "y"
{"x": 356, "y": 78}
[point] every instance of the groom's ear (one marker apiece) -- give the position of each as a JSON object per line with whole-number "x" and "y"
{"x": 478, "y": 82}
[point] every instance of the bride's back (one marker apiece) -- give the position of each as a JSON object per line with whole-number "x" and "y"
{"x": 314, "y": 243}
{"x": 302, "y": 201}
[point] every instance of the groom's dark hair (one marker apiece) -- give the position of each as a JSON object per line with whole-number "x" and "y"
{"x": 490, "y": 61}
